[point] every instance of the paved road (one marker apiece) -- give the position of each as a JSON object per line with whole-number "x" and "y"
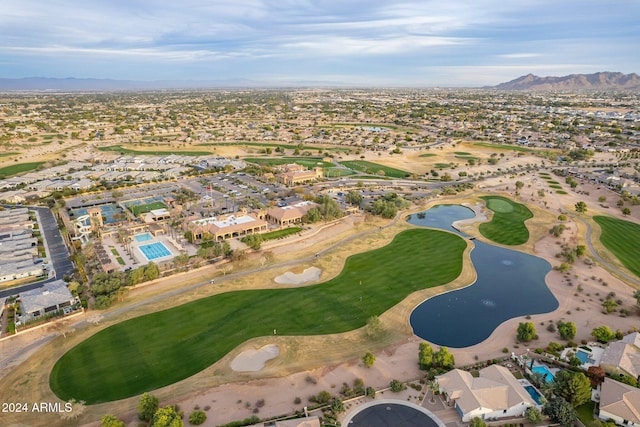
{"x": 56, "y": 248}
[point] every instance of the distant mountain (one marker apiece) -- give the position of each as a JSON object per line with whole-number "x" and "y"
{"x": 597, "y": 81}
{"x": 72, "y": 84}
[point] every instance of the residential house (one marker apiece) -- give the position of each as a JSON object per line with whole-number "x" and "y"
{"x": 494, "y": 394}
{"x": 623, "y": 357}
{"x": 619, "y": 402}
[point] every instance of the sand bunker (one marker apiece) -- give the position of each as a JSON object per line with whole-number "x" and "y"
{"x": 254, "y": 360}
{"x": 308, "y": 275}
{"x": 467, "y": 224}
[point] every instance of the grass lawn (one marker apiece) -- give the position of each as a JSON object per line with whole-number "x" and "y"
{"x": 337, "y": 172}
{"x": 281, "y": 233}
{"x": 507, "y": 226}
{"x": 373, "y": 168}
{"x": 121, "y": 149}
{"x": 461, "y": 153}
{"x": 555, "y": 186}
{"x": 561, "y": 192}
{"x": 442, "y": 165}
{"x": 155, "y": 350}
{"x": 502, "y": 147}
{"x": 140, "y": 209}
{"x": 308, "y": 162}
{"x": 585, "y": 414}
{"x": 9, "y": 154}
{"x": 428, "y": 155}
{"x": 18, "y": 168}
{"x": 621, "y": 238}
{"x": 372, "y": 177}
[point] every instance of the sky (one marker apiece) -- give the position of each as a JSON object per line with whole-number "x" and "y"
{"x": 347, "y": 42}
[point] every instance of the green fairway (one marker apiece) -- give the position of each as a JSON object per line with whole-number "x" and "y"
{"x": 507, "y": 226}
{"x": 337, "y": 172}
{"x": 9, "y": 154}
{"x": 18, "y": 168}
{"x": 308, "y": 162}
{"x": 121, "y": 149}
{"x": 442, "y": 165}
{"x": 622, "y": 238}
{"x": 561, "y": 192}
{"x": 152, "y": 351}
{"x": 375, "y": 168}
{"x": 315, "y": 148}
{"x": 555, "y": 186}
{"x": 502, "y": 147}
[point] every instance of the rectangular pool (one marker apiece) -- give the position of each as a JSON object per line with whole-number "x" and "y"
{"x": 535, "y": 394}
{"x": 143, "y": 237}
{"x": 544, "y": 371}
{"x": 155, "y": 250}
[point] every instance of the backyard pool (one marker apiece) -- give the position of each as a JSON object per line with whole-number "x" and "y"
{"x": 143, "y": 237}
{"x": 155, "y": 250}
{"x": 584, "y": 356}
{"x": 544, "y": 371}
{"x": 509, "y": 284}
{"x": 535, "y": 394}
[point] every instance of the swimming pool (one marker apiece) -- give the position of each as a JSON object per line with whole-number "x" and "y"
{"x": 544, "y": 371}
{"x": 584, "y": 356}
{"x": 155, "y": 250}
{"x": 535, "y": 394}
{"x": 143, "y": 237}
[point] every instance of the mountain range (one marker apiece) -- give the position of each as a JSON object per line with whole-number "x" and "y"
{"x": 574, "y": 82}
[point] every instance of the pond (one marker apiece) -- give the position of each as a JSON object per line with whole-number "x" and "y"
{"x": 509, "y": 284}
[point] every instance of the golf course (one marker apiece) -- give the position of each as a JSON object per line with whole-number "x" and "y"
{"x": 507, "y": 225}
{"x": 621, "y": 238}
{"x": 149, "y": 352}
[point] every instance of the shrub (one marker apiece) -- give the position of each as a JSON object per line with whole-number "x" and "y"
{"x": 197, "y": 417}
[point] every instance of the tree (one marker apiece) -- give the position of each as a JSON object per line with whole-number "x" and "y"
{"x": 533, "y": 415}
{"x": 519, "y": 185}
{"x": 337, "y": 406}
{"x": 425, "y": 356}
{"x": 603, "y": 334}
{"x": 581, "y": 207}
{"x": 477, "y": 422}
{"x": 574, "y": 387}
{"x": 197, "y": 417}
{"x": 167, "y": 417}
{"x": 110, "y": 421}
{"x": 626, "y": 211}
{"x": 353, "y": 198}
{"x": 370, "y": 392}
{"x": 368, "y": 359}
{"x": 636, "y": 295}
{"x": 147, "y": 406}
{"x": 526, "y": 332}
{"x": 373, "y": 326}
{"x": 596, "y": 375}
{"x": 560, "y": 411}
{"x": 151, "y": 272}
{"x": 397, "y": 386}
{"x": 443, "y": 359}
{"x": 567, "y": 330}
{"x": 313, "y": 215}
{"x": 323, "y": 396}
